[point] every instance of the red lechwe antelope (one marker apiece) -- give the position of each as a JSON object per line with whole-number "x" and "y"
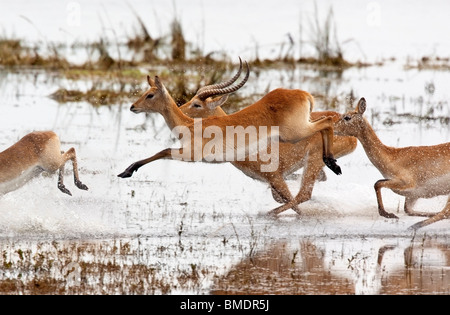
{"x": 413, "y": 172}
{"x": 286, "y": 110}
{"x": 35, "y": 153}
{"x": 306, "y": 153}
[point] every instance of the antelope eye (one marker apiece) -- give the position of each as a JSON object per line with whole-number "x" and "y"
{"x": 149, "y": 96}
{"x": 196, "y": 105}
{"x": 347, "y": 118}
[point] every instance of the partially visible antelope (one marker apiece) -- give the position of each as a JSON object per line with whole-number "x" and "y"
{"x": 412, "y": 172}
{"x": 305, "y": 153}
{"x": 35, "y": 153}
{"x": 285, "y": 114}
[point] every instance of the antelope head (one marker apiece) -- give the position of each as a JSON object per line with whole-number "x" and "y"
{"x": 208, "y": 99}
{"x": 154, "y": 100}
{"x": 351, "y": 122}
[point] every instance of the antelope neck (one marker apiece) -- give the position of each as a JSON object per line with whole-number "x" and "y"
{"x": 376, "y": 151}
{"x": 174, "y": 116}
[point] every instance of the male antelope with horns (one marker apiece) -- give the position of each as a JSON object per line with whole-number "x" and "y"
{"x": 35, "y": 153}
{"x": 305, "y": 153}
{"x": 285, "y": 114}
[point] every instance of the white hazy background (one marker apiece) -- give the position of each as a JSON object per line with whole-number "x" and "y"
{"x": 367, "y": 30}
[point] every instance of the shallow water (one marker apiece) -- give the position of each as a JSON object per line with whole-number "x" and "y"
{"x": 334, "y": 266}
{"x": 175, "y": 227}
{"x": 179, "y": 227}
{"x": 210, "y": 265}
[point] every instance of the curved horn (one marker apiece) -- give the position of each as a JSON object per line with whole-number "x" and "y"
{"x": 223, "y": 84}
{"x": 227, "y": 90}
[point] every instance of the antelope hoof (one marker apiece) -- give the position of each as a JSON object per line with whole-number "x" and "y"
{"x": 272, "y": 214}
{"x": 129, "y": 171}
{"x": 125, "y": 174}
{"x": 388, "y": 215}
{"x": 64, "y": 189}
{"x": 80, "y": 185}
{"x": 331, "y": 164}
{"x": 415, "y": 227}
{"x": 322, "y": 176}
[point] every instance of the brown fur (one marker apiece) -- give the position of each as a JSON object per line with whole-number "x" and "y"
{"x": 292, "y": 117}
{"x": 288, "y": 109}
{"x": 36, "y": 152}
{"x": 414, "y": 172}
{"x": 306, "y": 153}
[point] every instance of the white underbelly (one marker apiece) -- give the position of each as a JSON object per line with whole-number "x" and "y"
{"x": 436, "y": 186}
{"x": 19, "y": 181}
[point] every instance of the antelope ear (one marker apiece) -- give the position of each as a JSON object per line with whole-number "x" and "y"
{"x": 361, "y": 107}
{"x": 218, "y": 101}
{"x": 150, "y": 81}
{"x": 159, "y": 84}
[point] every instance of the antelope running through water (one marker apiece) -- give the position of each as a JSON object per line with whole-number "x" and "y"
{"x": 35, "y": 153}
{"x": 285, "y": 114}
{"x": 413, "y": 172}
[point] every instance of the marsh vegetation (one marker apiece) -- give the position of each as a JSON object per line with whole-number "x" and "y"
{"x": 195, "y": 228}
